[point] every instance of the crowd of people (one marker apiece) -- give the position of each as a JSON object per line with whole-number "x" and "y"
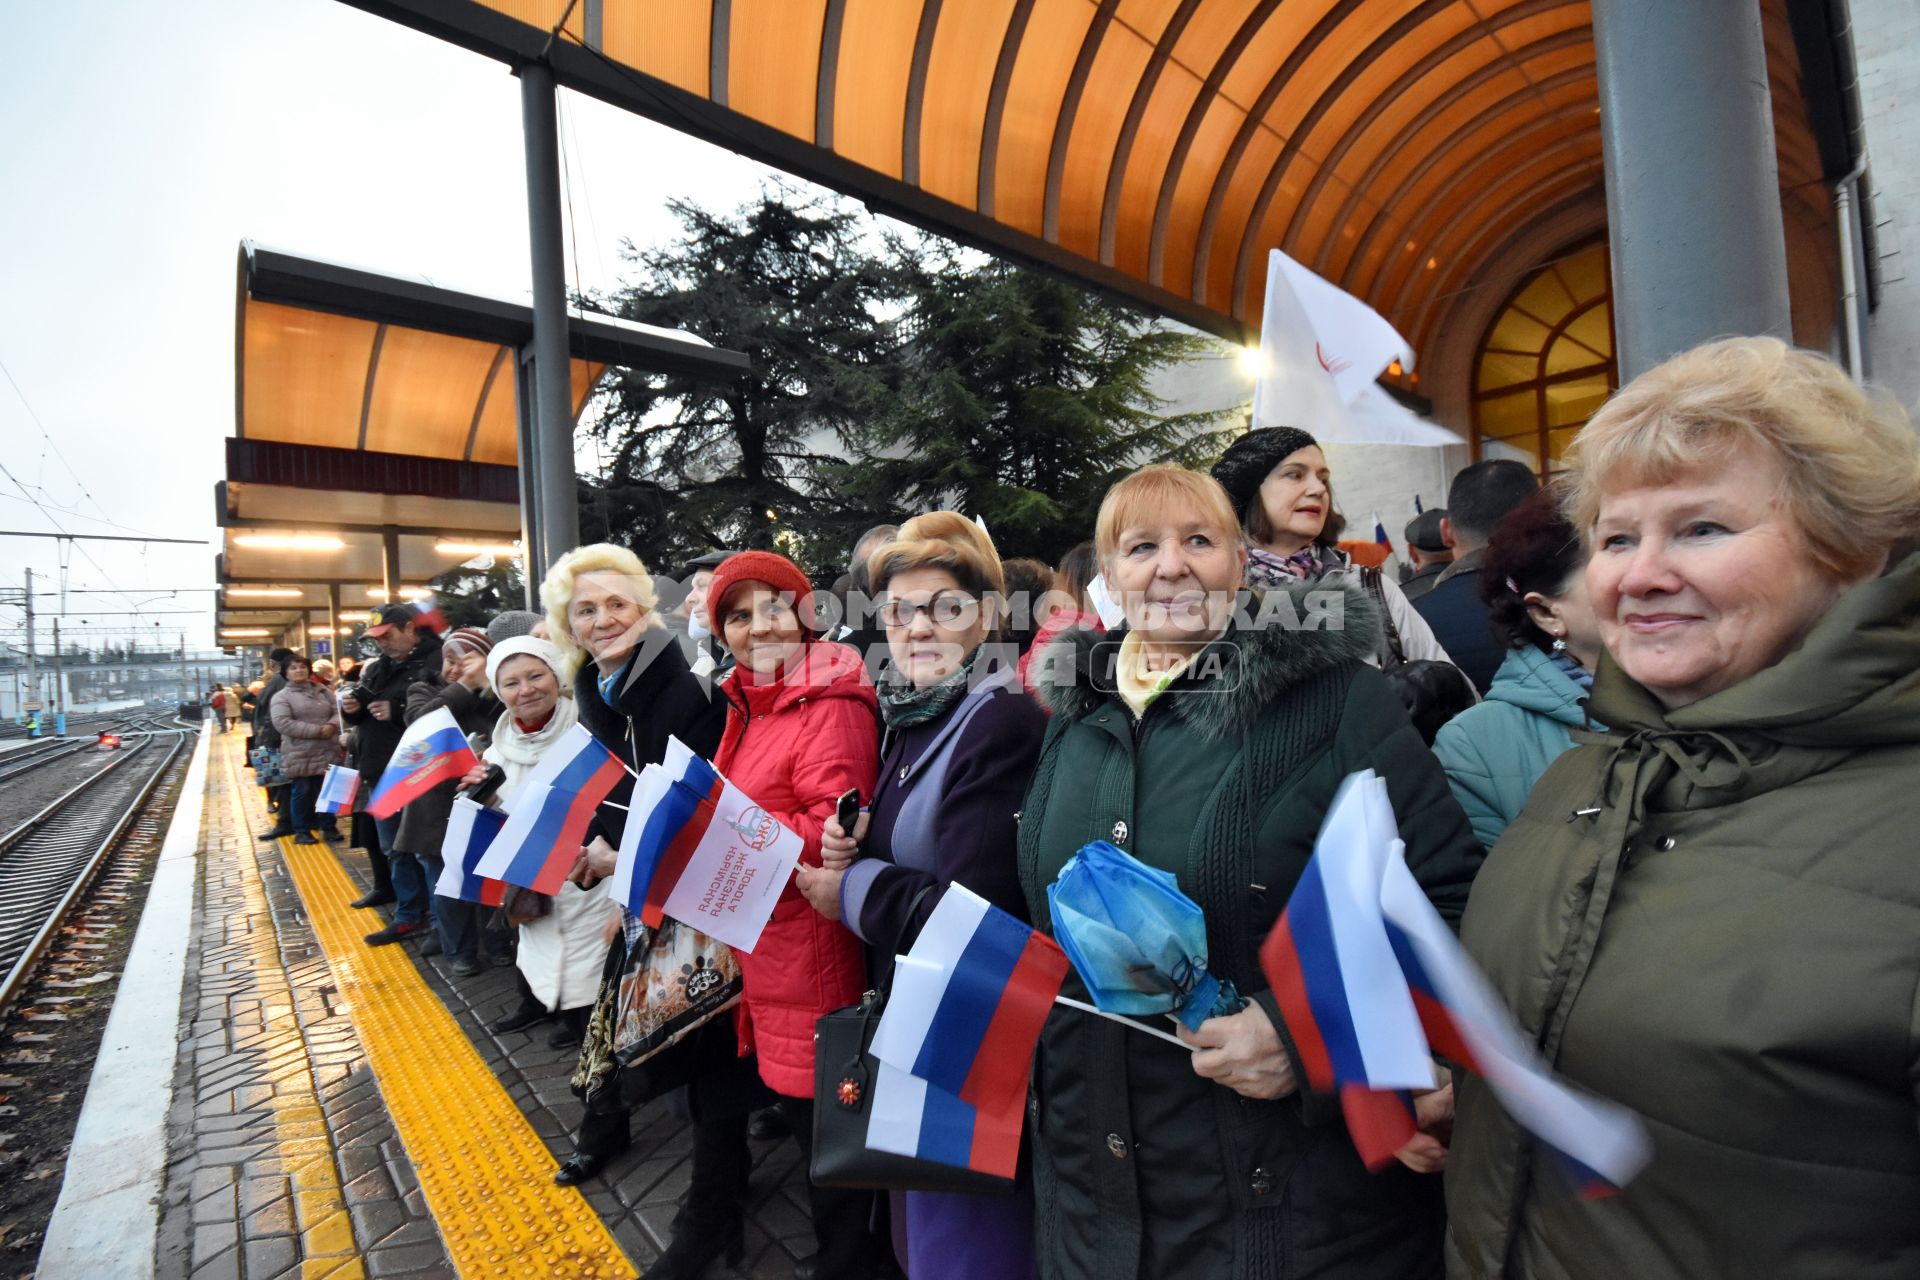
{"x": 1650, "y": 734}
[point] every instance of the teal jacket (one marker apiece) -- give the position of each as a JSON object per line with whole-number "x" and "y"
{"x": 1495, "y": 752}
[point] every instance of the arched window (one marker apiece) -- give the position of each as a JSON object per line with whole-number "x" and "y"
{"x": 1546, "y": 362}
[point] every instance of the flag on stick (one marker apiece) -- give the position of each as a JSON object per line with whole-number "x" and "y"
{"x": 431, "y": 751}
{"x": 540, "y": 841}
{"x": 471, "y": 828}
{"x": 338, "y": 789}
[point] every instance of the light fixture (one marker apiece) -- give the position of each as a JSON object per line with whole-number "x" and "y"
{"x": 289, "y": 541}
{"x": 275, "y": 593}
{"x": 357, "y": 615}
{"x": 477, "y": 548}
{"x": 242, "y": 633}
{"x": 1252, "y": 361}
{"x": 406, "y": 593}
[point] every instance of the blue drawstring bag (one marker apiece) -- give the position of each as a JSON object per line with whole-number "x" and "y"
{"x": 1138, "y": 943}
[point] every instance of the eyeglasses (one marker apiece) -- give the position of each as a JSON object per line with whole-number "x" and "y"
{"x": 946, "y": 609}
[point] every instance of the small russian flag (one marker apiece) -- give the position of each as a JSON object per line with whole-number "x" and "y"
{"x": 1349, "y": 1019}
{"x": 967, "y": 1006}
{"x": 678, "y": 801}
{"x": 428, "y": 615}
{"x": 471, "y": 828}
{"x": 338, "y": 790}
{"x": 549, "y": 811}
{"x": 431, "y": 751}
{"x": 1380, "y": 533}
{"x": 912, "y": 1117}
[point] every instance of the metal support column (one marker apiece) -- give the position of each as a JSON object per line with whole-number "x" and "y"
{"x": 333, "y": 622}
{"x": 550, "y": 514}
{"x": 390, "y": 562}
{"x": 1693, "y": 188}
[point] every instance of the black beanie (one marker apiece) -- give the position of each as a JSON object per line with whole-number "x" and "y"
{"x": 1248, "y": 461}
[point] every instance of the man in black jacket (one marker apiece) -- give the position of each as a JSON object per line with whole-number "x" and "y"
{"x": 279, "y": 798}
{"x": 377, "y": 710}
{"x": 1476, "y": 501}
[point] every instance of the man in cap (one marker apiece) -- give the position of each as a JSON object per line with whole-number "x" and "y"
{"x": 376, "y": 708}
{"x": 1428, "y": 552}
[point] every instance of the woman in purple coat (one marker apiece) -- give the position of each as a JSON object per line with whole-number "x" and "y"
{"x": 961, "y": 741}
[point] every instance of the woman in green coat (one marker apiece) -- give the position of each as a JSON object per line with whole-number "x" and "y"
{"x": 1207, "y": 738}
{"x": 1712, "y": 914}
{"x": 1534, "y": 583}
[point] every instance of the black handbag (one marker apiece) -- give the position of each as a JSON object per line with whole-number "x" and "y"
{"x": 844, "y": 1072}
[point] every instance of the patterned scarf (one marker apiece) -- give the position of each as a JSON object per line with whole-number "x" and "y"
{"x": 1265, "y": 570}
{"x": 902, "y": 705}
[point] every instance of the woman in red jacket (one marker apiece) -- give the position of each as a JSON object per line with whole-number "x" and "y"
{"x": 802, "y": 729}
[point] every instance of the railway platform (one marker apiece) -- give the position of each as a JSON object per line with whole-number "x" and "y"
{"x": 299, "y": 1104}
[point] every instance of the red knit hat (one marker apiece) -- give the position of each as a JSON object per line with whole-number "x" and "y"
{"x": 778, "y": 572}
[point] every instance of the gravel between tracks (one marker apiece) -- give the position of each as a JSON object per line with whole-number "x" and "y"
{"x": 22, "y": 797}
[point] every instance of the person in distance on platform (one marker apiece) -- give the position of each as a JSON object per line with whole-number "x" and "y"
{"x": 633, "y": 691}
{"x": 1708, "y": 915}
{"x": 1209, "y": 744}
{"x": 376, "y": 707}
{"x": 463, "y": 691}
{"x": 801, "y": 730}
{"x": 562, "y": 946}
{"x": 279, "y": 796}
{"x": 308, "y": 723}
{"x": 959, "y": 749}
{"x": 1477, "y": 500}
{"x": 1534, "y": 581}
{"x": 1279, "y": 482}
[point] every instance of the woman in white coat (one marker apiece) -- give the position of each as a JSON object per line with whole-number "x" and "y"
{"x": 561, "y": 952}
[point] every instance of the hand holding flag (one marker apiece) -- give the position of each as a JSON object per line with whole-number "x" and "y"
{"x": 431, "y": 751}
{"x": 1370, "y": 981}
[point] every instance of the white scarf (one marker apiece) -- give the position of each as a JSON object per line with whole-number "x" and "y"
{"x": 517, "y": 751}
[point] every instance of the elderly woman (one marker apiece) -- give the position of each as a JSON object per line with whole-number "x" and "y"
{"x": 309, "y": 727}
{"x": 634, "y": 691}
{"x": 959, "y": 749}
{"x": 1282, "y": 488}
{"x": 562, "y": 950}
{"x": 1534, "y": 583}
{"x": 1208, "y": 743}
{"x": 801, "y": 731}
{"x": 1710, "y": 914}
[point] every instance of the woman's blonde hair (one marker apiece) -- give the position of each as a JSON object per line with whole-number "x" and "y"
{"x": 1158, "y": 488}
{"x": 1850, "y": 459}
{"x": 556, "y": 591}
{"x": 941, "y": 540}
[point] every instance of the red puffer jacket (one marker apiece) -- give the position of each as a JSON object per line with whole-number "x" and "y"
{"x": 795, "y": 745}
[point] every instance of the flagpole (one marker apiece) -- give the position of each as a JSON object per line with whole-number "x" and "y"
{"x": 1124, "y": 1021}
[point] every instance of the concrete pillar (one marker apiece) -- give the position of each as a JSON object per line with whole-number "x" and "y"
{"x": 1693, "y": 190}
{"x": 550, "y": 512}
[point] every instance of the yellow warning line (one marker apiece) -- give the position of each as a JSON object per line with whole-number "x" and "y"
{"x": 486, "y": 1175}
{"x": 300, "y": 1128}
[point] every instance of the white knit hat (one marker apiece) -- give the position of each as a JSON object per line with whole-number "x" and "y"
{"x": 545, "y": 650}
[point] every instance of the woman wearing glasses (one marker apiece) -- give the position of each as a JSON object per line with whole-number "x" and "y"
{"x": 959, "y": 747}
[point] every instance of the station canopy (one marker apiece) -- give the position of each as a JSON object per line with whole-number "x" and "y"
{"x": 1157, "y": 148}
{"x": 378, "y": 413}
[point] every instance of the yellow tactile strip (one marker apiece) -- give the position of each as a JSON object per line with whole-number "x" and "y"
{"x": 300, "y": 1128}
{"x": 486, "y": 1175}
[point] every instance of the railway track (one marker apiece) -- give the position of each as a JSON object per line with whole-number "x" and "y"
{"x": 48, "y": 861}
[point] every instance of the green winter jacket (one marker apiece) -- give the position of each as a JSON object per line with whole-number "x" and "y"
{"x": 1712, "y": 916}
{"x": 1494, "y": 752}
{"x": 1141, "y": 1167}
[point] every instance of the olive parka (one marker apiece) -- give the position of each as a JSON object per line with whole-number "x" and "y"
{"x": 1711, "y": 915}
{"x": 1141, "y": 1167}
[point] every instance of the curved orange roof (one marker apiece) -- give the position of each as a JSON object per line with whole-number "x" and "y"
{"x": 1156, "y": 147}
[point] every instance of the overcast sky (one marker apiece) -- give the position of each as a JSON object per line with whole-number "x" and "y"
{"x": 141, "y": 141}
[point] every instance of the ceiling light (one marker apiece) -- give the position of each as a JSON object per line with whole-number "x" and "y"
{"x": 406, "y": 593}
{"x": 354, "y": 616}
{"x": 1252, "y": 361}
{"x": 477, "y": 548}
{"x": 241, "y": 633}
{"x": 289, "y": 541}
{"x": 276, "y": 593}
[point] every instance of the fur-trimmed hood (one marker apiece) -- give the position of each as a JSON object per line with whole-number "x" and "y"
{"x": 1277, "y": 639}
